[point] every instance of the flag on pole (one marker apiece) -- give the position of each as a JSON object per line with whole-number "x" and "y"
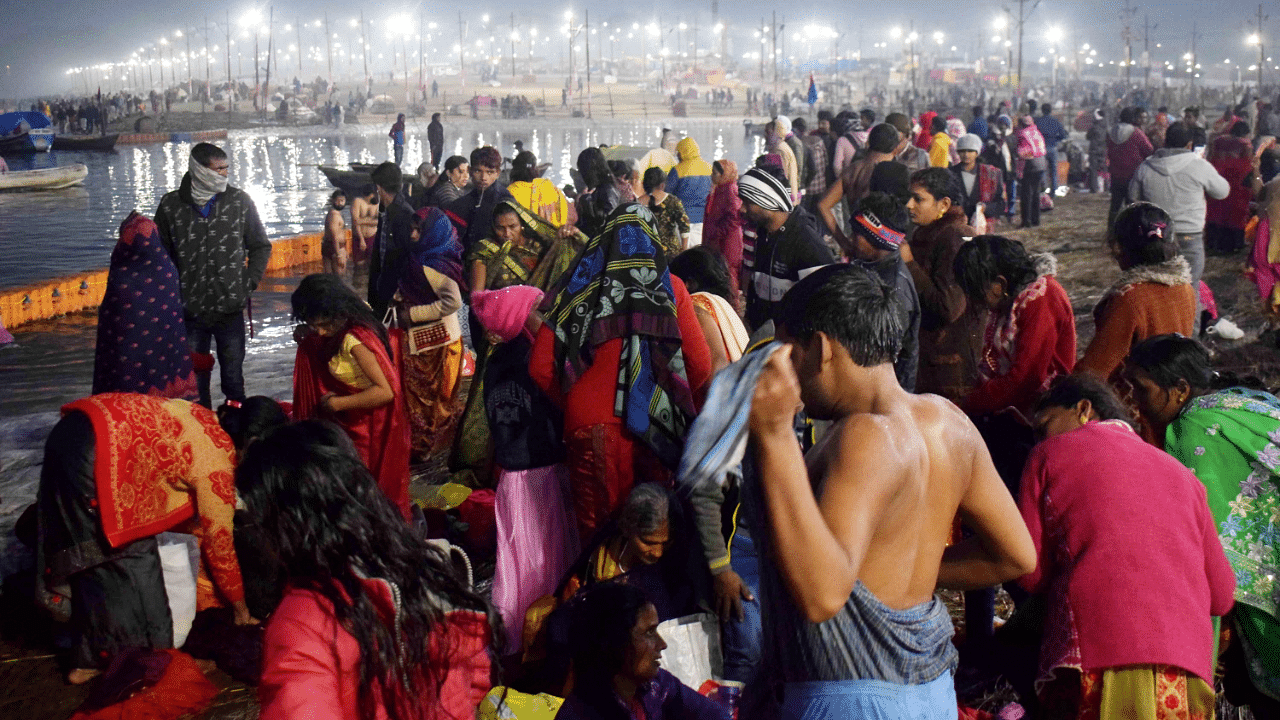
{"x": 813, "y": 90}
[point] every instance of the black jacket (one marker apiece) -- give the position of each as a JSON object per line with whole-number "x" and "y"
{"x": 390, "y": 253}
{"x": 221, "y": 258}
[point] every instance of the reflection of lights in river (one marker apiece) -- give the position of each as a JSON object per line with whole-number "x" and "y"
{"x": 565, "y": 161}
{"x": 719, "y": 152}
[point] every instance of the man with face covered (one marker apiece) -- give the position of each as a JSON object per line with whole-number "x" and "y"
{"x": 212, "y": 232}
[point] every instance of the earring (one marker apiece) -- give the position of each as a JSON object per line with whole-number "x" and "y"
{"x": 1084, "y": 419}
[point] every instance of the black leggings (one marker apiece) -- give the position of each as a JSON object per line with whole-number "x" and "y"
{"x": 1029, "y": 195}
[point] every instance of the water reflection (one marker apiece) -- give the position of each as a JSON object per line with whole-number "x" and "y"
{"x": 44, "y": 235}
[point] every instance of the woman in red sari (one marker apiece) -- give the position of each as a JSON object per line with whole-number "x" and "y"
{"x": 345, "y": 371}
{"x": 1224, "y": 220}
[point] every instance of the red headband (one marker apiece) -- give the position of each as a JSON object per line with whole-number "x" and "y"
{"x": 870, "y": 226}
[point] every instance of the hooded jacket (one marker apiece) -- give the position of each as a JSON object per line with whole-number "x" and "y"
{"x": 1177, "y": 180}
{"x": 1126, "y": 149}
{"x": 691, "y": 179}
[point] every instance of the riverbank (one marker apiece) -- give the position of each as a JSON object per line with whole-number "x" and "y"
{"x": 30, "y": 685}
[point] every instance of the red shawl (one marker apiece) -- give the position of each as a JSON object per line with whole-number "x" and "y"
{"x": 381, "y": 435}
{"x": 159, "y": 462}
{"x": 1233, "y": 159}
{"x": 926, "y": 134}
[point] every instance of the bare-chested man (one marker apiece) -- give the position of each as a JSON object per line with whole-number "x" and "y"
{"x": 858, "y": 527}
{"x": 364, "y": 222}
{"x": 333, "y": 244}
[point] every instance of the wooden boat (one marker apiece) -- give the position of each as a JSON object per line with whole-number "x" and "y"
{"x": 54, "y": 178}
{"x": 93, "y": 143}
{"x": 352, "y": 181}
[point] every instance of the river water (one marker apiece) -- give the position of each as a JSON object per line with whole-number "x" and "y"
{"x": 49, "y": 234}
{"x": 45, "y": 235}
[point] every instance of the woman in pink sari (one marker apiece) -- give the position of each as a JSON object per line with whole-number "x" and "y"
{"x": 722, "y": 230}
{"x": 346, "y": 372}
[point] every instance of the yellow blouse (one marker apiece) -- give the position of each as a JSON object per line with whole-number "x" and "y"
{"x": 344, "y": 367}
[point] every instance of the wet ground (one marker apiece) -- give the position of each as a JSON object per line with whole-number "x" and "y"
{"x": 30, "y": 685}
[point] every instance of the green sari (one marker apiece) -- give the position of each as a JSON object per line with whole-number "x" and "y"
{"x": 538, "y": 261}
{"x": 1231, "y": 440}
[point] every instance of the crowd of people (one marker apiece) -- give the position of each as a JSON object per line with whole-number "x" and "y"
{"x": 803, "y": 397}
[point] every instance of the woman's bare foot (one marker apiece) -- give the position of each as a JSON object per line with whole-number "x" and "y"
{"x": 80, "y": 676}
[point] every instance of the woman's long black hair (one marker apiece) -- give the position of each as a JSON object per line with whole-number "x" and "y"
{"x": 703, "y": 269}
{"x": 602, "y": 618}
{"x": 331, "y": 526}
{"x": 1166, "y": 359}
{"x": 985, "y": 258}
{"x": 594, "y": 168}
{"x": 324, "y": 296}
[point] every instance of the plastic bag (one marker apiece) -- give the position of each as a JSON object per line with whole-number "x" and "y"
{"x": 177, "y": 552}
{"x": 979, "y": 221}
{"x": 693, "y": 651}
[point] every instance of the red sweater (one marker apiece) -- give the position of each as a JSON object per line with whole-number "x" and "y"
{"x": 1124, "y": 158}
{"x": 590, "y": 400}
{"x": 1128, "y": 552}
{"x": 302, "y": 679}
{"x": 1026, "y": 349}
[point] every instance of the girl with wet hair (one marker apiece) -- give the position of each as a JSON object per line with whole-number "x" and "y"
{"x": 1031, "y": 336}
{"x": 344, "y": 372}
{"x": 374, "y": 623}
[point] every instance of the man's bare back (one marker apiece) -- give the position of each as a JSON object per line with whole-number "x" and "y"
{"x": 926, "y": 456}
{"x": 891, "y": 475}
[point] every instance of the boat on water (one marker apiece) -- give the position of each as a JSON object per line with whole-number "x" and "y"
{"x": 55, "y": 178}
{"x": 25, "y": 133}
{"x": 356, "y": 176}
{"x": 88, "y": 143}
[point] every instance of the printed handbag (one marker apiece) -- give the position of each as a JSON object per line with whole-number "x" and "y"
{"x": 426, "y": 336}
{"x": 438, "y": 333}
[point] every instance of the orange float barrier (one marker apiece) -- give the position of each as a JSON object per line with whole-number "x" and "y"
{"x": 84, "y": 291}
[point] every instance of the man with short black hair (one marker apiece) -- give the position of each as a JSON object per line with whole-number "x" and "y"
{"x": 878, "y": 228}
{"x": 855, "y": 181}
{"x": 788, "y": 243}
{"x": 979, "y": 125}
{"x": 1177, "y": 179}
{"x": 856, "y": 530}
{"x": 473, "y": 212}
{"x": 212, "y": 232}
{"x": 391, "y": 243}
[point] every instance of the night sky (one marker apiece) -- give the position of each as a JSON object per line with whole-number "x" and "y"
{"x": 37, "y": 48}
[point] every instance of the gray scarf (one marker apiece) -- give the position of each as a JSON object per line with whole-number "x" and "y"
{"x": 205, "y": 183}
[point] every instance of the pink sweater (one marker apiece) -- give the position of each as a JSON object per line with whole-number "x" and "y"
{"x": 301, "y": 678}
{"x": 1129, "y": 555}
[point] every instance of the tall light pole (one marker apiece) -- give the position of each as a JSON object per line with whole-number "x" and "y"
{"x": 1054, "y": 36}
{"x": 1257, "y": 39}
